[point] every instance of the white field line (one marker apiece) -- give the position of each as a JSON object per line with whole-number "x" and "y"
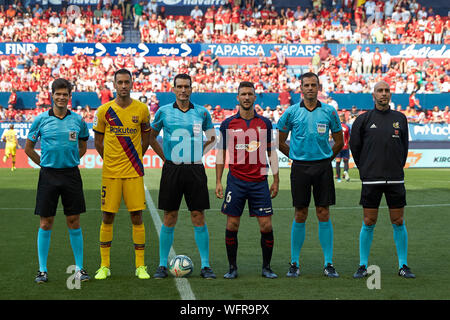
{"x": 183, "y": 286}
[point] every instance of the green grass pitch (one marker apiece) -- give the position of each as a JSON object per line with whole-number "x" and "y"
{"x": 427, "y": 217}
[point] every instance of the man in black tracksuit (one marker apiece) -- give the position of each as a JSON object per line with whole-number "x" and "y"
{"x": 379, "y": 145}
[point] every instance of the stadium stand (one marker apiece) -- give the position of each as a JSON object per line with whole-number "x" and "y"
{"x": 37, "y": 24}
{"x": 260, "y": 22}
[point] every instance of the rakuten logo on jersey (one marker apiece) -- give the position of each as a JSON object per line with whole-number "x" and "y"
{"x": 121, "y": 131}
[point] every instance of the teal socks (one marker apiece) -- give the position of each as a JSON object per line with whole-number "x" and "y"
{"x": 202, "y": 240}
{"x": 325, "y": 238}
{"x": 365, "y": 242}
{"x": 43, "y": 245}
{"x": 297, "y": 239}
{"x": 401, "y": 243}
{"x": 400, "y": 239}
{"x": 326, "y": 241}
{"x": 76, "y": 241}
{"x": 166, "y": 240}
{"x": 165, "y": 243}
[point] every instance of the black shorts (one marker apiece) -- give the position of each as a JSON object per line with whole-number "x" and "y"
{"x": 183, "y": 179}
{"x": 317, "y": 175}
{"x": 371, "y": 194}
{"x": 54, "y": 183}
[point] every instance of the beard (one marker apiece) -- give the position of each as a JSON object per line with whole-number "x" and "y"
{"x": 246, "y": 108}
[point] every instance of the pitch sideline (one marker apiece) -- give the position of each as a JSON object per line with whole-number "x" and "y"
{"x": 183, "y": 286}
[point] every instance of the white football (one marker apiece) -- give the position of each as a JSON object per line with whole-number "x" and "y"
{"x": 181, "y": 266}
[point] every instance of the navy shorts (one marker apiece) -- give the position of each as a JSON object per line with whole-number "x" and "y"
{"x": 238, "y": 191}
{"x": 344, "y": 154}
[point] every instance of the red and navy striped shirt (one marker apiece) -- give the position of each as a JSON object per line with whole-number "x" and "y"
{"x": 247, "y": 143}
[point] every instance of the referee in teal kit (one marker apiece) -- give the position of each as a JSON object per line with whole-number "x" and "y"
{"x": 310, "y": 123}
{"x": 183, "y": 173}
{"x": 63, "y": 136}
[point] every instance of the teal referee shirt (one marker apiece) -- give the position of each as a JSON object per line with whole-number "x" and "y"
{"x": 182, "y": 131}
{"x": 310, "y": 130}
{"x": 59, "y": 138}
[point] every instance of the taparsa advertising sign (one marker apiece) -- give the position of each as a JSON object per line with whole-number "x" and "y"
{"x": 221, "y": 50}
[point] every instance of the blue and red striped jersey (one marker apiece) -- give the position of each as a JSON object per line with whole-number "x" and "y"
{"x": 247, "y": 143}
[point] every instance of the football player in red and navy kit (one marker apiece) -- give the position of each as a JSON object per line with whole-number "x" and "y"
{"x": 344, "y": 154}
{"x": 247, "y": 137}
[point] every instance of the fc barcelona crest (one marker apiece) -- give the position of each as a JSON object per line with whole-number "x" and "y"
{"x": 135, "y": 119}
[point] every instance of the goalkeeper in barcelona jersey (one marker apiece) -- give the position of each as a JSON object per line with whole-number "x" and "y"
{"x": 121, "y": 128}
{"x": 10, "y": 137}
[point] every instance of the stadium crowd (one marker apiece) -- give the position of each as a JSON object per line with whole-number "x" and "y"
{"x": 356, "y": 72}
{"x": 348, "y": 72}
{"x": 37, "y": 24}
{"x": 390, "y": 21}
{"x": 413, "y": 111}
